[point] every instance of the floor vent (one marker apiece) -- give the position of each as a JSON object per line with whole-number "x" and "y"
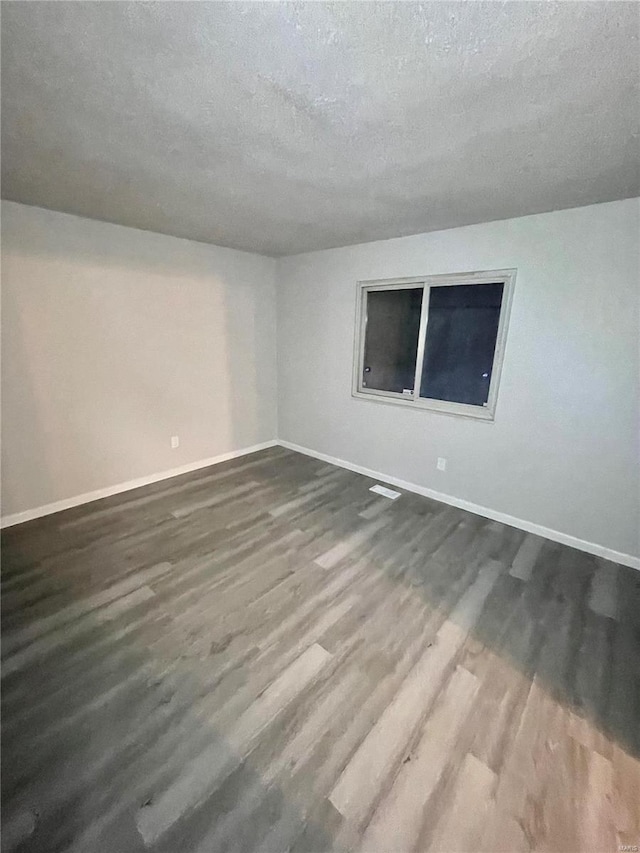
{"x": 384, "y": 491}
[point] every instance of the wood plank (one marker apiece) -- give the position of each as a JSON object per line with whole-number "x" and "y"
{"x": 43, "y": 646}
{"x": 211, "y": 766}
{"x": 139, "y": 643}
{"x": 334, "y": 555}
{"x": 603, "y": 596}
{"x": 376, "y": 509}
{"x": 525, "y": 559}
{"x": 73, "y": 611}
{"x": 397, "y": 821}
{"x": 462, "y": 824}
{"x": 214, "y": 500}
{"x": 360, "y": 784}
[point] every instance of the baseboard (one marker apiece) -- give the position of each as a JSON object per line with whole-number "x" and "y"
{"x": 67, "y": 503}
{"x": 528, "y": 526}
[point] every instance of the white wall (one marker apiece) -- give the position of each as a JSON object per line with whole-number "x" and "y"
{"x": 563, "y": 451}
{"x": 115, "y": 339}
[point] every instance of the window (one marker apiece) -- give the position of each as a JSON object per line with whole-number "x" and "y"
{"x": 435, "y": 342}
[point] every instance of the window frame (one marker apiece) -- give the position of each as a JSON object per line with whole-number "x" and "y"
{"x": 506, "y": 277}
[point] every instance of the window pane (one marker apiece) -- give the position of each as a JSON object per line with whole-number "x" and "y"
{"x": 462, "y": 329}
{"x": 391, "y": 339}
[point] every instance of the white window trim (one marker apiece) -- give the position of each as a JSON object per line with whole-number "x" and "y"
{"x": 486, "y": 413}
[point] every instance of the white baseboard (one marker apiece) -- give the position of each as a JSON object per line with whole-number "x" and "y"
{"x": 67, "y": 503}
{"x": 528, "y": 526}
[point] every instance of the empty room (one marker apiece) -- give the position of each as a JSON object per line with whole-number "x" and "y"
{"x": 320, "y": 427}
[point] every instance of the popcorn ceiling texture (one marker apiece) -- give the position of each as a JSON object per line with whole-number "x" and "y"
{"x": 286, "y": 127}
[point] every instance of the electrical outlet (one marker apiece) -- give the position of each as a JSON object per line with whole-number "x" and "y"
{"x": 442, "y": 464}
{"x": 175, "y": 442}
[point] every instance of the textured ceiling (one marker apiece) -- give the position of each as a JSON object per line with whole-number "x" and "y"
{"x": 285, "y": 127}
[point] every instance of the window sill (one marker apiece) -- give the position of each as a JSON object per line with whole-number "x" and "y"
{"x": 460, "y": 410}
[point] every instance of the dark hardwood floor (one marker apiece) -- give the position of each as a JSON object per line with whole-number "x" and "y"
{"x": 264, "y": 655}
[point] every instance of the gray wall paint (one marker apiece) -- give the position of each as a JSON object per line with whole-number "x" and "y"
{"x": 563, "y": 451}
{"x": 113, "y": 340}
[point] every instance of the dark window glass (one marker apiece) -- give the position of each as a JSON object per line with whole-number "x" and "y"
{"x": 462, "y": 329}
{"x": 391, "y": 339}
